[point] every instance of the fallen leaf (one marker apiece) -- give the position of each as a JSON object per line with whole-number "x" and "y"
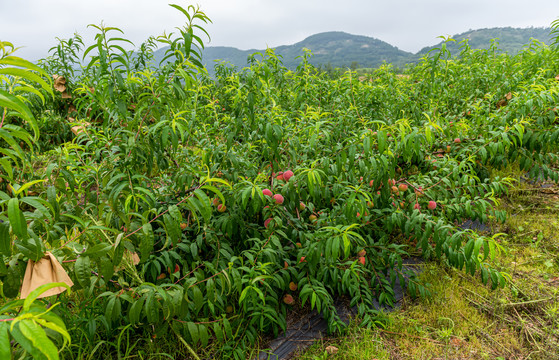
{"x": 331, "y": 349}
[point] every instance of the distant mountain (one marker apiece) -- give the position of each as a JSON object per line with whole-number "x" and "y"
{"x": 509, "y": 39}
{"x": 341, "y": 50}
{"x": 336, "y": 48}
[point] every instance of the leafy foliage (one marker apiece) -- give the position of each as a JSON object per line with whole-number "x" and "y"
{"x": 157, "y": 205}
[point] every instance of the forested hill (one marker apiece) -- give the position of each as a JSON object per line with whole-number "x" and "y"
{"x": 339, "y": 49}
{"x": 510, "y": 39}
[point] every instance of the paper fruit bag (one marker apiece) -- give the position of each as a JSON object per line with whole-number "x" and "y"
{"x": 45, "y": 271}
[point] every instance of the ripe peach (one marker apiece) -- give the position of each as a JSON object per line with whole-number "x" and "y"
{"x": 287, "y": 175}
{"x": 288, "y": 299}
{"x": 278, "y": 198}
{"x": 298, "y": 245}
{"x": 395, "y": 189}
{"x": 416, "y": 206}
{"x": 183, "y": 226}
{"x": 432, "y": 205}
{"x": 267, "y": 192}
{"x": 285, "y": 265}
{"x": 371, "y": 183}
{"x": 302, "y": 259}
{"x": 177, "y": 268}
{"x": 362, "y": 253}
{"x": 370, "y": 204}
{"x": 292, "y": 286}
{"x": 221, "y": 208}
{"x": 302, "y": 206}
{"x": 362, "y": 260}
{"x": 216, "y": 201}
{"x": 419, "y": 191}
{"x": 403, "y": 187}
{"x": 457, "y": 141}
{"x": 280, "y": 177}
{"x": 161, "y": 276}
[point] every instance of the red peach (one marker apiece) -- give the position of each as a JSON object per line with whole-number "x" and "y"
{"x": 362, "y": 260}
{"x": 288, "y": 299}
{"x": 287, "y": 175}
{"x": 278, "y": 198}
{"x": 432, "y": 205}
{"x": 267, "y": 192}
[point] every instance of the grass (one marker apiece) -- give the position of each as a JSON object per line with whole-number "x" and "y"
{"x": 464, "y": 319}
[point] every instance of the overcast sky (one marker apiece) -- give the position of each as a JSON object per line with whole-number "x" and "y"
{"x": 256, "y": 24}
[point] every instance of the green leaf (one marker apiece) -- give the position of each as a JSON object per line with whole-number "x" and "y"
{"x": 198, "y": 298}
{"x": 146, "y": 242}
{"x": 98, "y": 250}
{"x": 5, "y": 240}
{"x": 38, "y": 338}
{"x": 26, "y": 343}
{"x": 194, "y": 332}
{"x": 17, "y": 220}
{"x": 172, "y": 228}
{"x": 152, "y": 308}
{"x": 26, "y": 186}
{"x": 5, "y": 348}
{"x": 82, "y": 268}
{"x": 11, "y": 102}
{"x": 136, "y": 310}
{"x": 38, "y": 291}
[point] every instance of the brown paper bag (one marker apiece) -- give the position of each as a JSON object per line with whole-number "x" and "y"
{"x": 45, "y": 271}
